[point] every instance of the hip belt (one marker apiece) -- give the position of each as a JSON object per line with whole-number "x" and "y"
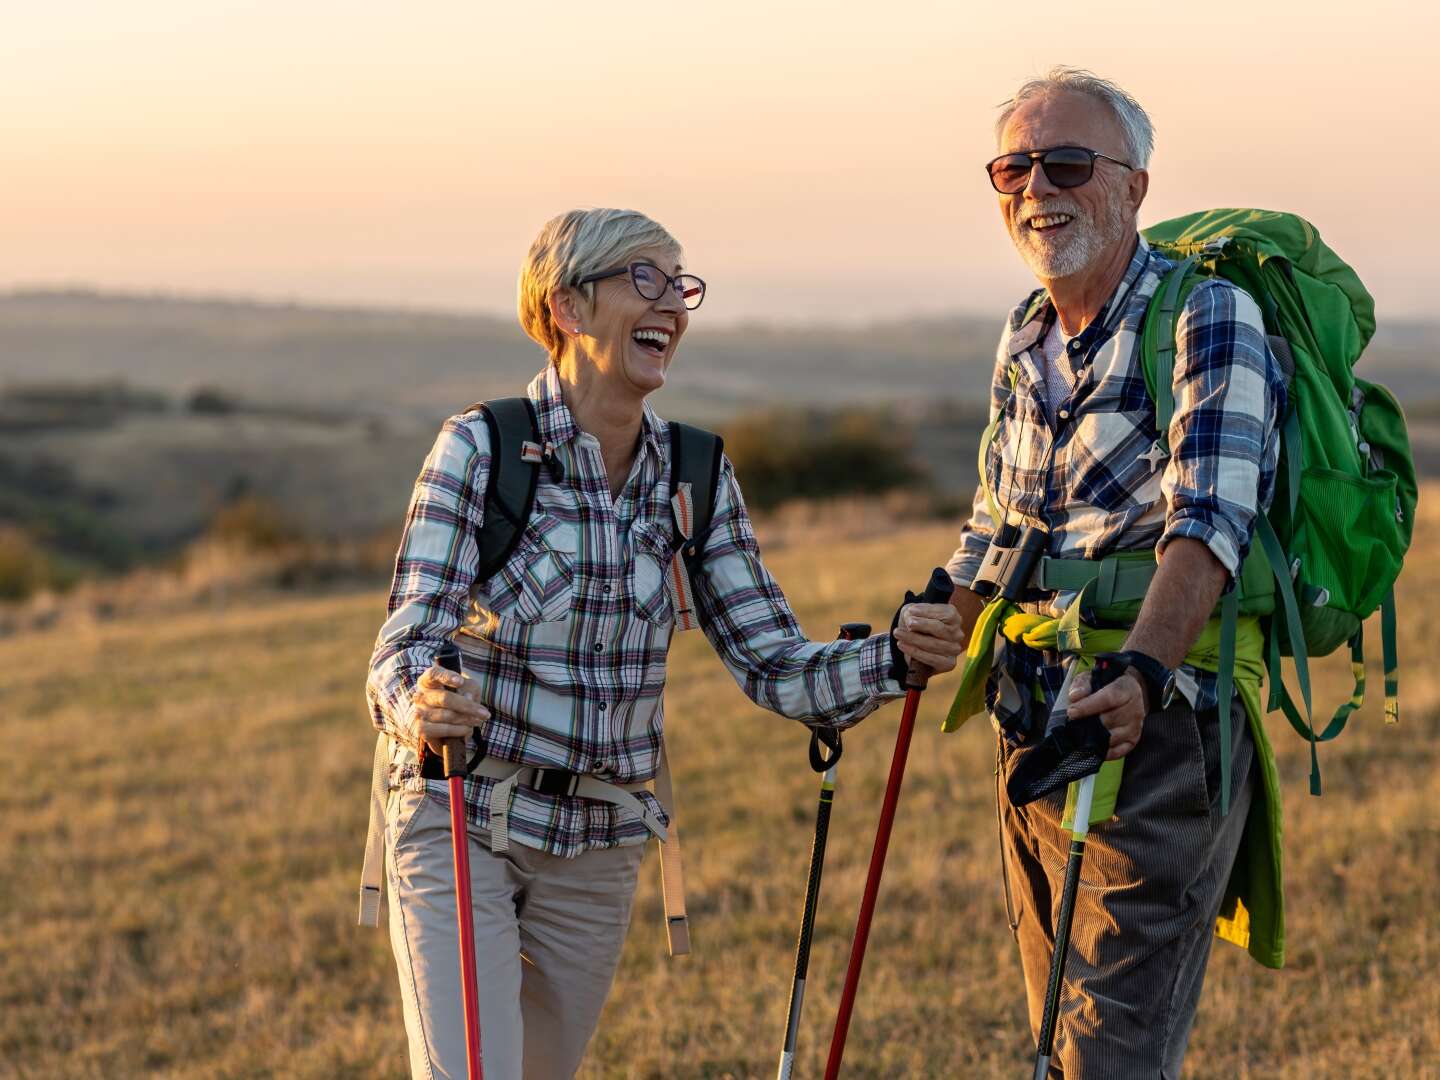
{"x": 548, "y": 781}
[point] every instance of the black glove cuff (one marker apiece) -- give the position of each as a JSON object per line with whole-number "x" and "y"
{"x": 899, "y": 662}
{"x": 1156, "y": 679}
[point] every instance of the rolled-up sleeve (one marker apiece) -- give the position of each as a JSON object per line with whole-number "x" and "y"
{"x": 434, "y": 571}
{"x": 1224, "y": 439}
{"x": 750, "y": 624}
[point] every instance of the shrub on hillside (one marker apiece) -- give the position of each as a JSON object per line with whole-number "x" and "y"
{"x": 25, "y": 569}
{"x": 254, "y": 524}
{"x": 784, "y": 454}
{"x": 208, "y": 401}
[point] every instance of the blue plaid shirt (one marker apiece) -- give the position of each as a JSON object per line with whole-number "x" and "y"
{"x": 1095, "y": 478}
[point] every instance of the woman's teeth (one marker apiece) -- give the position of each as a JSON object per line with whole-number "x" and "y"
{"x": 655, "y": 340}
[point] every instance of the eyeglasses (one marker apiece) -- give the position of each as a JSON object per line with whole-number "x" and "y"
{"x": 1064, "y": 166}
{"x": 651, "y": 283}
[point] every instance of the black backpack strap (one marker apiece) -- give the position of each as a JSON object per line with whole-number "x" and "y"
{"x": 510, "y": 491}
{"x": 695, "y": 456}
{"x": 509, "y": 497}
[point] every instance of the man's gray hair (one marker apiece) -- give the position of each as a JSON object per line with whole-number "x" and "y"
{"x": 1134, "y": 122}
{"x": 575, "y": 244}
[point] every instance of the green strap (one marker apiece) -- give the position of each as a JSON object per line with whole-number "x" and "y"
{"x": 1391, "y": 653}
{"x": 1069, "y": 631}
{"x": 1165, "y": 347}
{"x": 1295, "y": 634}
{"x": 1272, "y": 667}
{"x": 1225, "y": 686}
{"x": 1037, "y": 301}
{"x": 1117, "y": 579}
{"x": 1294, "y": 447}
{"x": 1357, "y": 672}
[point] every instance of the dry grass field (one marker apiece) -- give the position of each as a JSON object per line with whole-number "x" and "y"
{"x": 185, "y": 811}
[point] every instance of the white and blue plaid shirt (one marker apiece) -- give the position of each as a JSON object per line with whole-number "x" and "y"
{"x": 568, "y": 640}
{"x": 1093, "y": 477}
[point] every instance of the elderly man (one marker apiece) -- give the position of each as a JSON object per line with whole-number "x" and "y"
{"x": 1074, "y": 454}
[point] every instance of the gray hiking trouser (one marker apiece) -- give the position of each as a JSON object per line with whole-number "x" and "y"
{"x": 1150, "y": 889}
{"x": 548, "y": 936}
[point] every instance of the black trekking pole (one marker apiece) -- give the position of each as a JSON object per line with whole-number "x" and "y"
{"x": 1103, "y": 674}
{"x": 825, "y": 765}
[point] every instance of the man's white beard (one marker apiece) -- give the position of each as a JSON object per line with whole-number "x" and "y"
{"x": 1083, "y": 242}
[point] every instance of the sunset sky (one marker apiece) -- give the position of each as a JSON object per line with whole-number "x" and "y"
{"x": 821, "y": 162}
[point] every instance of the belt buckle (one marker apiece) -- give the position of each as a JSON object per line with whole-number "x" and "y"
{"x": 554, "y": 781}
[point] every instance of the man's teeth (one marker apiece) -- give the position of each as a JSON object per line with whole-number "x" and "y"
{"x": 659, "y": 339}
{"x": 1049, "y": 220}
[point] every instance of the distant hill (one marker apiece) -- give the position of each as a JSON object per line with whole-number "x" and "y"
{"x": 429, "y": 363}
{"x": 127, "y": 422}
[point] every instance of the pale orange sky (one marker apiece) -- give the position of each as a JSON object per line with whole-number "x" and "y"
{"x": 819, "y": 161}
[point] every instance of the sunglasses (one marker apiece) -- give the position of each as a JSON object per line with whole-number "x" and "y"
{"x": 1064, "y": 166}
{"x": 651, "y": 282}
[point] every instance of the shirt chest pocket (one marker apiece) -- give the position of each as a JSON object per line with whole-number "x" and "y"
{"x": 650, "y": 557}
{"x": 537, "y": 582}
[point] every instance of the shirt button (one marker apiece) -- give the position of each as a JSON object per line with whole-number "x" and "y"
{"x": 1074, "y": 346}
{"x": 606, "y": 590}
{"x": 602, "y": 706}
{"x": 599, "y": 646}
{"x": 1064, "y": 414}
{"x": 597, "y": 765}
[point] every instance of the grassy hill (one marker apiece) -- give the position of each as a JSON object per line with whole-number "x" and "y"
{"x": 186, "y": 811}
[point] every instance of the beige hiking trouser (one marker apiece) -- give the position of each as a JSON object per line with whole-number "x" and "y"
{"x": 548, "y": 935}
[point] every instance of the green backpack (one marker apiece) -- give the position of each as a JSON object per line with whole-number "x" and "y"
{"x": 1344, "y": 506}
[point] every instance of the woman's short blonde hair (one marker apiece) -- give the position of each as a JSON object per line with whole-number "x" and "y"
{"x": 572, "y": 245}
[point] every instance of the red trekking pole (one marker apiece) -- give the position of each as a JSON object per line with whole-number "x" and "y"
{"x": 936, "y": 592}
{"x": 453, "y": 754}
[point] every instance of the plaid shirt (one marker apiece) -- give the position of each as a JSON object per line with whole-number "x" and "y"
{"x": 568, "y": 640}
{"x": 1095, "y": 479}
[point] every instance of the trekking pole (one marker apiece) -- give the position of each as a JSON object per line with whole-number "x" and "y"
{"x": 453, "y": 754}
{"x": 936, "y": 592}
{"x": 1102, "y": 675}
{"x": 825, "y": 765}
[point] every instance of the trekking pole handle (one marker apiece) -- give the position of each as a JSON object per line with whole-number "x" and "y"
{"x": 937, "y": 591}
{"x": 452, "y": 751}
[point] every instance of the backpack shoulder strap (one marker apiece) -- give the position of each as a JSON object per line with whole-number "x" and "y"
{"x": 695, "y": 456}
{"x": 1157, "y": 341}
{"x": 510, "y": 491}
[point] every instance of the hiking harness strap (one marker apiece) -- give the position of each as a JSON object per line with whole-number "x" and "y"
{"x": 672, "y": 867}
{"x": 372, "y": 873}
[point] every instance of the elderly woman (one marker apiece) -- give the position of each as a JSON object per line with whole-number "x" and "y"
{"x": 564, "y": 655}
